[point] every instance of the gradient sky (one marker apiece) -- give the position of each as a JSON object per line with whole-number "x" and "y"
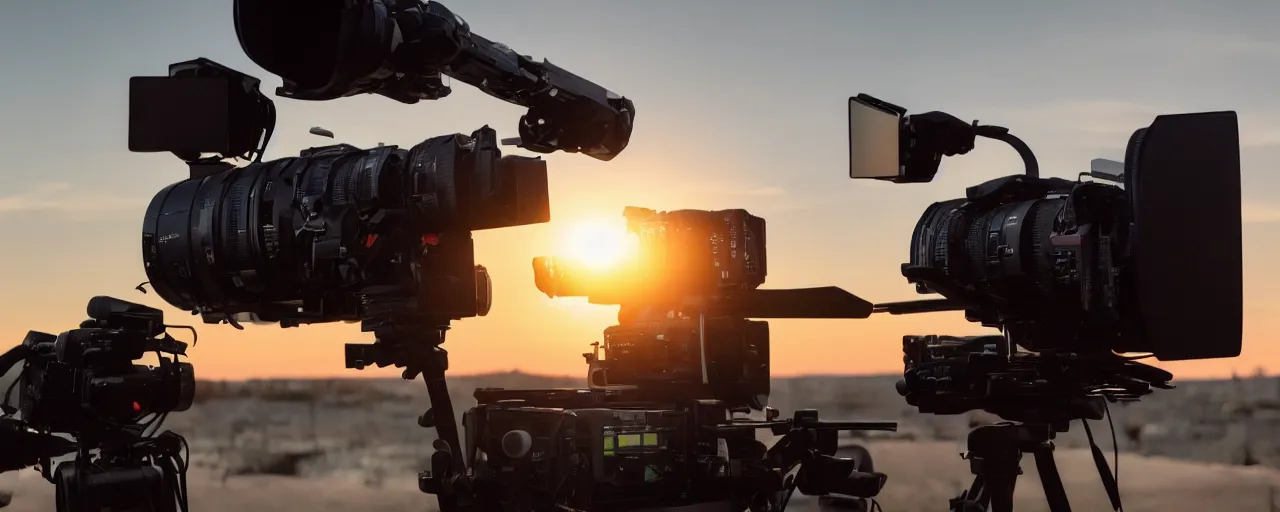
{"x": 740, "y": 104}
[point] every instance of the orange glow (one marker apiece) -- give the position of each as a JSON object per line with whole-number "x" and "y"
{"x": 598, "y": 244}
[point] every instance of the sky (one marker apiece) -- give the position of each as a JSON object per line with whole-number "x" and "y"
{"x": 740, "y": 104}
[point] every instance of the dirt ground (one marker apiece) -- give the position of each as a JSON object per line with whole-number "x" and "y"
{"x": 922, "y": 476}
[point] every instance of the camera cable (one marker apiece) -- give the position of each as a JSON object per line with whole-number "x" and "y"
{"x": 1108, "y": 475}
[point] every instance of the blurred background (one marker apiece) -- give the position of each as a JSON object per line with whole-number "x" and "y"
{"x": 739, "y": 105}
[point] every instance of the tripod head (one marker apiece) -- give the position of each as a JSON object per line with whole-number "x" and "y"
{"x": 1041, "y": 393}
{"x": 957, "y": 374}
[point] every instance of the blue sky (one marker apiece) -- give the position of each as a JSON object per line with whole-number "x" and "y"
{"x": 739, "y": 104}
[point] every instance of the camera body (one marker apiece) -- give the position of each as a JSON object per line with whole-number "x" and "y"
{"x": 1087, "y": 266}
{"x": 337, "y": 233}
{"x": 584, "y": 449}
{"x": 683, "y": 256}
{"x": 664, "y": 421}
{"x": 302, "y": 240}
{"x": 85, "y": 381}
{"x": 382, "y": 235}
{"x": 1144, "y": 257}
{"x": 724, "y": 356}
{"x": 684, "y": 303}
{"x": 1044, "y": 258}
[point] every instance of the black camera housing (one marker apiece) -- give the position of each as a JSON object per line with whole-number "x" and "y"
{"x": 684, "y": 304}
{"x": 674, "y": 354}
{"x": 1080, "y": 266}
{"x": 662, "y": 423}
{"x": 328, "y": 235}
{"x": 85, "y": 381}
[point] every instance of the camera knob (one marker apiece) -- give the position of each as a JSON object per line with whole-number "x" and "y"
{"x": 516, "y": 444}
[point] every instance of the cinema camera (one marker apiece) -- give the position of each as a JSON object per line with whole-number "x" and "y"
{"x": 663, "y": 423}
{"x": 1143, "y": 258}
{"x": 381, "y": 236}
{"x": 84, "y": 383}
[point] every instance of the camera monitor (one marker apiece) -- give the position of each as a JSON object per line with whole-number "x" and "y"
{"x": 873, "y": 139}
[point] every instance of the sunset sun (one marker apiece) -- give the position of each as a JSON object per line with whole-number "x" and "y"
{"x": 597, "y": 244}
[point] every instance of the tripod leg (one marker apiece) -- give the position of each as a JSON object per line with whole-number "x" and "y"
{"x": 445, "y": 422}
{"x": 977, "y": 492}
{"x": 973, "y": 500}
{"x": 1052, "y": 481}
{"x": 1000, "y": 492}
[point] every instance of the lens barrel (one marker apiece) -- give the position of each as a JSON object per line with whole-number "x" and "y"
{"x": 259, "y": 233}
{"x": 1003, "y": 249}
{"x": 306, "y": 239}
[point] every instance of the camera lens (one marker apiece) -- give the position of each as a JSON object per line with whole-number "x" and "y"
{"x": 246, "y": 236}
{"x": 1004, "y": 249}
{"x": 317, "y": 238}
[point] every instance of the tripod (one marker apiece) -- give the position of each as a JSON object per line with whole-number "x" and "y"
{"x": 994, "y": 453}
{"x": 413, "y": 342}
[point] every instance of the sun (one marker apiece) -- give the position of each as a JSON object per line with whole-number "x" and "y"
{"x": 597, "y": 244}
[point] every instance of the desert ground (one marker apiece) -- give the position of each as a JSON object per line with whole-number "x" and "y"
{"x": 342, "y": 444}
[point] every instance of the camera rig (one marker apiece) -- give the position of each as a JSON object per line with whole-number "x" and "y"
{"x": 1072, "y": 273}
{"x": 1080, "y": 266}
{"x": 664, "y": 423}
{"x": 380, "y": 236}
{"x": 84, "y": 383}
{"x": 1040, "y": 394}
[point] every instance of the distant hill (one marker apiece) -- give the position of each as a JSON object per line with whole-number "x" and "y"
{"x": 1223, "y": 421}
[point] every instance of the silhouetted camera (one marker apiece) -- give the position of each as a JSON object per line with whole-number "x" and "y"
{"x": 86, "y": 379}
{"x": 663, "y": 423}
{"x": 1086, "y": 265}
{"x": 85, "y": 382}
{"x": 381, "y": 236}
{"x": 685, "y": 298}
{"x": 1145, "y": 257}
{"x": 329, "y": 234}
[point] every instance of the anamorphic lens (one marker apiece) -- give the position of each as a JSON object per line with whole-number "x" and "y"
{"x": 267, "y": 232}
{"x": 321, "y": 237}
